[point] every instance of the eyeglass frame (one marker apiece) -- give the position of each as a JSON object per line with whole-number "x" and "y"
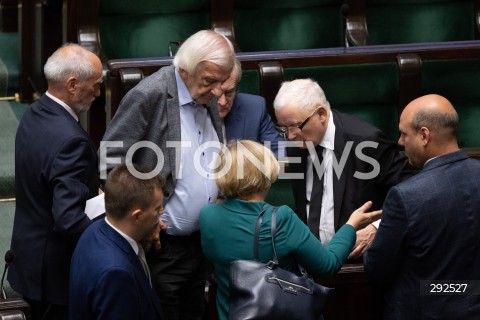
{"x": 284, "y": 129}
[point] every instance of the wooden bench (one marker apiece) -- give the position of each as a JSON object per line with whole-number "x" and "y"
{"x": 401, "y": 72}
{"x": 370, "y": 22}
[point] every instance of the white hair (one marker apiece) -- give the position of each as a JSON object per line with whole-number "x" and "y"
{"x": 69, "y": 60}
{"x": 304, "y": 93}
{"x": 205, "y": 45}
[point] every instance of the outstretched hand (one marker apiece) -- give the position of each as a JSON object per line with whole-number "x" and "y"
{"x": 360, "y": 218}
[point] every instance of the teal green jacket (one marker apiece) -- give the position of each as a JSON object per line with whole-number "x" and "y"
{"x": 227, "y": 234}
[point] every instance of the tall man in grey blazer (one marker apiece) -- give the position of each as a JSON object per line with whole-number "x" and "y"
{"x": 428, "y": 241}
{"x": 169, "y": 116}
{"x": 56, "y": 172}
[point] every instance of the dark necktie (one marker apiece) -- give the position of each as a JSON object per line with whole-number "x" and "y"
{"x": 316, "y": 196}
{"x": 143, "y": 260}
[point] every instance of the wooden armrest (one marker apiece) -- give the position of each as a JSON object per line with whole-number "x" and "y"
{"x": 271, "y": 77}
{"x": 221, "y": 17}
{"x": 14, "y": 308}
{"x": 119, "y": 85}
{"x": 473, "y": 152}
{"x": 410, "y": 78}
{"x": 356, "y": 31}
{"x": 88, "y": 37}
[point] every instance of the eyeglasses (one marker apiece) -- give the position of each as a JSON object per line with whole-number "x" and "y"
{"x": 284, "y": 129}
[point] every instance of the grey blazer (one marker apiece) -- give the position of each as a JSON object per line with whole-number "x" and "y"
{"x": 149, "y": 113}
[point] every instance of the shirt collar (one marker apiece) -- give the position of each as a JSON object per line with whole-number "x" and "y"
{"x": 132, "y": 242}
{"x": 63, "y": 104}
{"x": 184, "y": 97}
{"x": 328, "y": 141}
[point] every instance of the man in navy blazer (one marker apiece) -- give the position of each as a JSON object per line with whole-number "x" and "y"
{"x": 56, "y": 172}
{"x": 109, "y": 277}
{"x": 245, "y": 115}
{"x": 428, "y": 241}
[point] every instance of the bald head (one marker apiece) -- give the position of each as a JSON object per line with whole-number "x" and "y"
{"x": 435, "y": 113}
{"x": 428, "y": 128}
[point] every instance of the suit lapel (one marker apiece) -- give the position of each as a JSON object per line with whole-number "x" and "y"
{"x": 299, "y": 186}
{"x": 174, "y": 132}
{"x": 235, "y": 123}
{"x": 123, "y": 244}
{"x": 53, "y": 106}
{"x": 339, "y": 183}
{"x": 212, "y": 109}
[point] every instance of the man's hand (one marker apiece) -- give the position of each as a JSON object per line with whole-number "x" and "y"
{"x": 154, "y": 238}
{"x": 364, "y": 239}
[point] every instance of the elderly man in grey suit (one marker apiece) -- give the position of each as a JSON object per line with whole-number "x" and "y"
{"x": 164, "y": 122}
{"x": 426, "y": 250}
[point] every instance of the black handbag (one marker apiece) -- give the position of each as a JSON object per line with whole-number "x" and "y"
{"x": 266, "y": 291}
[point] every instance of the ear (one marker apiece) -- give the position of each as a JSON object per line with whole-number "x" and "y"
{"x": 71, "y": 84}
{"x": 323, "y": 113}
{"x": 425, "y": 135}
{"x": 135, "y": 216}
{"x": 183, "y": 74}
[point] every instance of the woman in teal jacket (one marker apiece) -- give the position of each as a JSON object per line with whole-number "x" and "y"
{"x": 245, "y": 173}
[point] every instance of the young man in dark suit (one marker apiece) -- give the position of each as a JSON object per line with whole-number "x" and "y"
{"x": 426, "y": 251}
{"x": 340, "y": 161}
{"x": 109, "y": 276}
{"x": 56, "y": 172}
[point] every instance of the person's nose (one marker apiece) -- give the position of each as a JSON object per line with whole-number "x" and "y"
{"x": 222, "y": 100}
{"x": 400, "y": 141}
{"x": 217, "y": 90}
{"x": 291, "y": 135}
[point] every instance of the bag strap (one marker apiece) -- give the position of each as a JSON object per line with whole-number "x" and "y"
{"x": 256, "y": 233}
{"x": 274, "y": 231}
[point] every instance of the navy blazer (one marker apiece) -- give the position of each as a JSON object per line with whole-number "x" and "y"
{"x": 349, "y": 192}
{"x": 107, "y": 280}
{"x": 249, "y": 119}
{"x": 56, "y": 172}
{"x": 430, "y": 231}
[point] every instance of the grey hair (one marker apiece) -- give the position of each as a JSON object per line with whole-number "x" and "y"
{"x": 237, "y": 69}
{"x": 305, "y": 93}
{"x": 205, "y": 45}
{"x": 436, "y": 121}
{"x": 63, "y": 63}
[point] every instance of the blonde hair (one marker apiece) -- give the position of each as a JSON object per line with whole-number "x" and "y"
{"x": 245, "y": 167}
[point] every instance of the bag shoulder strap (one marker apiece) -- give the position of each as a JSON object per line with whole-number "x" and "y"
{"x": 256, "y": 234}
{"x": 274, "y": 231}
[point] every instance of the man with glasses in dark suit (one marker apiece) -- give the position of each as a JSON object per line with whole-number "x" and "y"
{"x": 343, "y": 161}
